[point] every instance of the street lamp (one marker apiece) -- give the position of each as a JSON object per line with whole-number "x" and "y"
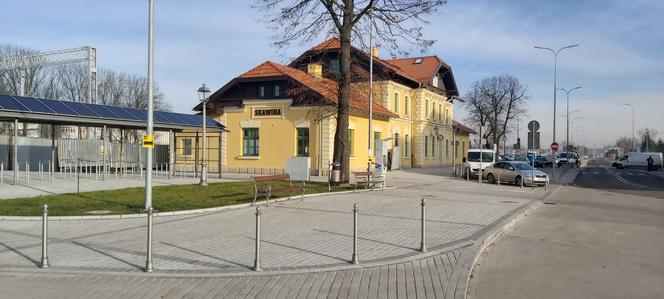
{"x": 568, "y": 92}
{"x": 150, "y": 127}
{"x": 575, "y": 129}
{"x": 631, "y": 106}
{"x": 202, "y": 91}
{"x": 555, "y": 80}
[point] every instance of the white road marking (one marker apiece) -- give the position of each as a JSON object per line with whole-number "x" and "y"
{"x": 623, "y": 180}
{"x": 641, "y": 174}
{"x": 629, "y": 173}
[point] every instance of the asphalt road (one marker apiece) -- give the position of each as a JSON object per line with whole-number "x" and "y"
{"x": 600, "y": 237}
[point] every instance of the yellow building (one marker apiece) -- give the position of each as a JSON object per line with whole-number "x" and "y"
{"x": 274, "y": 112}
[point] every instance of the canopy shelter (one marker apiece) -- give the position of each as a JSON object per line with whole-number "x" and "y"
{"x": 43, "y": 111}
{"x": 65, "y": 113}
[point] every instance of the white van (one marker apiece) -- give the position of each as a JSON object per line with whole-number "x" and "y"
{"x": 635, "y": 159}
{"x": 473, "y": 161}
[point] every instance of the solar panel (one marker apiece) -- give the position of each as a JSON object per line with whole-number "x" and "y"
{"x": 10, "y": 103}
{"x": 135, "y": 116}
{"x": 143, "y": 114}
{"x": 160, "y": 117}
{"x": 102, "y": 111}
{"x": 121, "y": 112}
{"x": 59, "y": 107}
{"x": 167, "y": 116}
{"x": 34, "y": 105}
{"x": 81, "y": 109}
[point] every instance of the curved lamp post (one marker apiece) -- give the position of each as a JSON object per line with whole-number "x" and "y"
{"x": 568, "y": 92}
{"x": 202, "y": 92}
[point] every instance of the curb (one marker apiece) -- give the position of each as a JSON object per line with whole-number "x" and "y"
{"x": 248, "y": 272}
{"x": 183, "y": 212}
{"x": 470, "y": 260}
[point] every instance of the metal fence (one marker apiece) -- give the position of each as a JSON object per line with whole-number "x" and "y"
{"x": 36, "y": 151}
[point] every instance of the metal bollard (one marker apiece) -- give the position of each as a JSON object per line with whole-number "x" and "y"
{"x": 546, "y": 185}
{"x": 423, "y": 244}
{"x": 498, "y": 178}
{"x": 44, "y": 259}
{"x": 2, "y": 173}
{"x": 257, "y": 258}
{"x": 521, "y": 182}
{"x": 354, "y": 260}
{"x": 468, "y": 174}
{"x": 148, "y": 264}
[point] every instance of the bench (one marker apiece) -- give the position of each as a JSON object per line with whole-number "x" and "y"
{"x": 362, "y": 177}
{"x": 262, "y": 186}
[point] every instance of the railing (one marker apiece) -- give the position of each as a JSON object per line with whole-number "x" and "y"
{"x": 41, "y": 169}
{"x": 27, "y": 170}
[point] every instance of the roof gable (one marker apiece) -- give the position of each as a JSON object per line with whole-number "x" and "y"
{"x": 326, "y": 88}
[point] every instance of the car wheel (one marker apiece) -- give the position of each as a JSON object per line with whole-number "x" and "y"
{"x": 517, "y": 181}
{"x": 490, "y": 178}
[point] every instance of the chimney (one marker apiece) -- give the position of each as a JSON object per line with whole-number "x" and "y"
{"x": 315, "y": 70}
{"x": 374, "y": 52}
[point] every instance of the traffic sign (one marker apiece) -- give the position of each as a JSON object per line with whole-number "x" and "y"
{"x": 533, "y": 126}
{"x": 554, "y": 146}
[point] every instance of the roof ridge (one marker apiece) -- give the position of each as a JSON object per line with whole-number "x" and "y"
{"x": 415, "y": 57}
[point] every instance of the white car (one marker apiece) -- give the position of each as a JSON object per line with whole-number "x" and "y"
{"x": 473, "y": 161}
{"x": 565, "y": 157}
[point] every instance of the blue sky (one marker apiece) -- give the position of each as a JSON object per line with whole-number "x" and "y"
{"x": 621, "y": 57}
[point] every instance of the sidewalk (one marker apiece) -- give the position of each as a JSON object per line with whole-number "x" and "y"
{"x": 305, "y": 240}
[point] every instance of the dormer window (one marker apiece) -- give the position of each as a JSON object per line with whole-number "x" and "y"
{"x": 417, "y": 61}
{"x": 277, "y": 91}
{"x": 261, "y": 91}
{"x": 435, "y": 81}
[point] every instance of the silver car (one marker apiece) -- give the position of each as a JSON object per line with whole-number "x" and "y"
{"x": 514, "y": 172}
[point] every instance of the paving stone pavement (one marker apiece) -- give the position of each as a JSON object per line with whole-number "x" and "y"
{"x": 423, "y": 278}
{"x": 305, "y": 245}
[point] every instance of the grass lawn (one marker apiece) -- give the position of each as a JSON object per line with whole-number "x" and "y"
{"x": 131, "y": 200}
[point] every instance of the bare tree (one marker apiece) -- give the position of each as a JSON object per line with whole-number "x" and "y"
{"x": 305, "y": 20}
{"x": 624, "y": 144}
{"x": 495, "y": 102}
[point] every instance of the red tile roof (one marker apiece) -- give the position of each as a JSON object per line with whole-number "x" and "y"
{"x": 423, "y": 71}
{"x": 462, "y": 128}
{"x": 327, "y": 88}
{"x": 335, "y": 43}
{"x": 332, "y": 43}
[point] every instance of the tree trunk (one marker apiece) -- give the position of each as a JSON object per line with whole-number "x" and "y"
{"x": 341, "y": 149}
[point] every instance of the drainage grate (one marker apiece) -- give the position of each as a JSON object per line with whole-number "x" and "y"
{"x": 549, "y": 203}
{"x": 508, "y": 201}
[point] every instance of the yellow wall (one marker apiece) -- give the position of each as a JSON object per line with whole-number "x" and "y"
{"x": 277, "y": 136}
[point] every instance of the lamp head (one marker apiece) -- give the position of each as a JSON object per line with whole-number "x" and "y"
{"x": 202, "y": 91}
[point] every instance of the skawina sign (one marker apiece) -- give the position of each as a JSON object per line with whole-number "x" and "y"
{"x": 272, "y": 112}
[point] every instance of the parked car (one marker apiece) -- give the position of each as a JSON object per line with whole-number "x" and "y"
{"x": 514, "y": 172}
{"x": 634, "y": 159}
{"x": 544, "y": 161}
{"x": 568, "y": 157}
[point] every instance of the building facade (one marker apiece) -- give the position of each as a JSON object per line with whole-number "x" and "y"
{"x": 274, "y": 112}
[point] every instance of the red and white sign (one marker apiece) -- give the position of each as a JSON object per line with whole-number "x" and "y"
{"x": 554, "y": 146}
